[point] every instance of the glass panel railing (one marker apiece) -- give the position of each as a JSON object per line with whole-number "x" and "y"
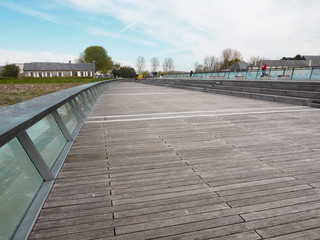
{"x": 275, "y": 73}
{"x": 20, "y": 182}
{"x": 81, "y": 104}
{"x": 301, "y": 74}
{"x": 68, "y": 117}
{"x": 87, "y": 102}
{"x": 48, "y": 139}
{"x": 288, "y": 72}
{"x": 242, "y": 74}
{"x": 251, "y": 75}
{"x": 315, "y": 74}
{"x": 233, "y": 75}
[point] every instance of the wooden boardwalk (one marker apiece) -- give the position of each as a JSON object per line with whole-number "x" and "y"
{"x": 162, "y": 163}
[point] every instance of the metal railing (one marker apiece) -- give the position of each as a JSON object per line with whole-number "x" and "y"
{"x": 310, "y": 73}
{"x": 35, "y": 138}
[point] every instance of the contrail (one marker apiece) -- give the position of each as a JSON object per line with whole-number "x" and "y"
{"x": 133, "y": 23}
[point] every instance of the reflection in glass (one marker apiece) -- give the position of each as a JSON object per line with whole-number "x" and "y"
{"x": 315, "y": 74}
{"x": 251, "y": 75}
{"x": 232, "y": 75}
{"x": 87, "y": 98}
{"x": 48, "y": 139}
{"x": 301, "y": 74}
{"x": 68, "y": 117}
{"x": 81, "y": 101}
{"x": 275, "y": 73}
{"x": 19, "y": 183}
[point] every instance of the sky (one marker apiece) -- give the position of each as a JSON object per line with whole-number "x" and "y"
{"x": 184, "y": 30}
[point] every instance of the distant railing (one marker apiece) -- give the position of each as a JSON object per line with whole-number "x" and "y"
{"x": 311, "y": 73}
{"x": 35, "y": 138}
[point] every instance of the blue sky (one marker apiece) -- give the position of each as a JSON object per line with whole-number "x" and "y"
{"x": 184, "y": 30}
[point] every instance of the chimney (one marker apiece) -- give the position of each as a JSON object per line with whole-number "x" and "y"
{"x": 310, "y": 62}
{"x": 69, "y": 62}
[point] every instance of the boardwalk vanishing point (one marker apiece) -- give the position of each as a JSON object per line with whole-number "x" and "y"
{"x": 154, "y": 162}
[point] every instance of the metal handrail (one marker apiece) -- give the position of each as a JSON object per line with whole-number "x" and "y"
{"x": 15, "y": 121}
{"x": 291, "y": 71}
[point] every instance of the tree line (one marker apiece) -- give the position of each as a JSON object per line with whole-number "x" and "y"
{"x": 103, "y": 63}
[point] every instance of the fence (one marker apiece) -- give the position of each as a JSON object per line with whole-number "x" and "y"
{"x": 312, "y": 73}
{"x": 35, "y": 138}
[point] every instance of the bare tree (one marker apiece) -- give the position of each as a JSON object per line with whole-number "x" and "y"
{"x": 140, "y": 64}
{"x": 255, "y": 59}
{"x": 229, "y": 56}
{"x": 168, "y": 65}
{"x": 210, "y": 64}
{"x": 195, "y": 66}
{"x": 154, "y": 64}
{"x": 165, "y": 67}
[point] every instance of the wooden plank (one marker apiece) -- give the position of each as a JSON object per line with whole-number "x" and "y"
{"x": 245, "y": 174}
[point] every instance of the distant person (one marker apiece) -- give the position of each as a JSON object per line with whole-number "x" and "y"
{"x": 264, "y": 69}
{"x": 191, "y": 73}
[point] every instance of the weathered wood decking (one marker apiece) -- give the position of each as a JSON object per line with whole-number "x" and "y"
{"x": 161, "y": 163}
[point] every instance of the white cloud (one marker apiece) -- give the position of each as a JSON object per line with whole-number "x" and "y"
{"x": 188, "y": 30}
{"x": 29, "y": 11}
{"x": 272, "y": 28}
{"x": 9, "y": 56}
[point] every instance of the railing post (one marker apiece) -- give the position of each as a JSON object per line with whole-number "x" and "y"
{"x": 77, "y": 111}
{"x": 311, "y": 73}
{"x": 35, "y": 156}
{"x": 62, "y": 126}
{"x": 292, "y": 73}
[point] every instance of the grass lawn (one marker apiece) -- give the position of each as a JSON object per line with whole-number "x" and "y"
{"x": 14, "y": 90}
{"x": 10, "y": 98}
{"x": 27, "y": 80}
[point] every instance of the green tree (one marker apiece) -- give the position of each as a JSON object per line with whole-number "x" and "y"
{"x": 125, "y": 72}
{"x": 297, "y": 57}
{"x": 10, "y": 70}
{"x": 98, "y": 55}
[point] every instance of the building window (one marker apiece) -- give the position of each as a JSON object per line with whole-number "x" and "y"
{"x": 31, "y": 74}
{"x": 74, "y": 74}
{"x": 82, "y": 75}
{"x": 48, "y": 74}
{"x": 60, "y": 74}
{"x": 40, "y": 74}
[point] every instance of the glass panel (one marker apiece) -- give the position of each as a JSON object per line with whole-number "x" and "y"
{"x": 89, "y": 97}
{"x": 87, "y": 101}
{"x": 303, "y": 74}
{"x": 251, "y": 75}
{"x": 80, "y": 101}
{"x": 48, "y": 139}
{"x": 288, "y": 72}
{"x": 232, "y": 75}
{"x": 68, "y": 117}
{"x": 20, "y": 182}
{"x": 274, "y": 73}
{"x": 242, "y": 74}
{"x": 315, "y": 74}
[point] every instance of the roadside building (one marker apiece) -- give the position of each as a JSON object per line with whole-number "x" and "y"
{"x": 55, "y": 69}
{"x": 306, "y": 62}
{"x": 281, "y": 64}
{"x": 313, "y": 61}
{"x": 237, "y": 67}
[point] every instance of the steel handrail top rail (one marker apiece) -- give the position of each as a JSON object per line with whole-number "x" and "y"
{"x": 17, "y": 118}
